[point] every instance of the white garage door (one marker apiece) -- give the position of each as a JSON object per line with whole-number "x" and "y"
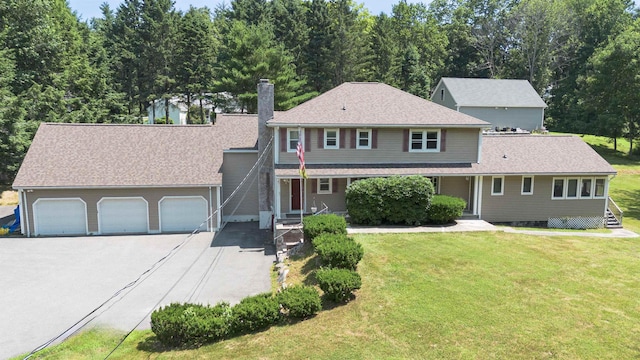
{"x": 60, "y": 217}
{"x": 123, "y": 215}
{"x": 183, "y": 213}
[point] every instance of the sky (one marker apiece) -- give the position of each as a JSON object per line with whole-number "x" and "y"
{"x": 88, "y": 9}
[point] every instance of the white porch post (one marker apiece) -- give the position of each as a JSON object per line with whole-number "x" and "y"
{"x": 479, "y": 197}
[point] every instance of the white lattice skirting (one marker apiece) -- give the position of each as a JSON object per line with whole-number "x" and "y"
{"x": 580, "y": 222}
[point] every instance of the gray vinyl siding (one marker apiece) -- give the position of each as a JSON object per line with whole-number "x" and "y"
{"x": 512, "y": 206}
{"x": 524, "y": 118}
{"x": 335, "y": 201}
{"x": 461, "y": 147}
{"x": 235, "y": 167}
{"x": 458, "y": 186}
{"x": 92, "y": 196}
{"x": 448, "y": 100}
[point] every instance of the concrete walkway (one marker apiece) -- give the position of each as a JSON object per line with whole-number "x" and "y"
{"x": 481, "y": 225}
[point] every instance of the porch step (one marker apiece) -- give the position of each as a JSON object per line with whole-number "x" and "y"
{"x": 612, "y": 222}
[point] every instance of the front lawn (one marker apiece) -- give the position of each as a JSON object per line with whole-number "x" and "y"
{"x": 452, "y": 295}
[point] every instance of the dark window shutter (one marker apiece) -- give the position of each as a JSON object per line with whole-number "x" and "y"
{"x": 405, "y": 140}
{"x": 307, "y": 140}
{"x": 314, "y": 186}
{"x": 353, "y": 138}
{"x": 334, "y": 186}
{"x": 320, "y": 138}
{"x": 374, "y": 138}
{"x": 283, "y": 139}
{"x": 443, "y": 140}
{"x": 343, "y": 135}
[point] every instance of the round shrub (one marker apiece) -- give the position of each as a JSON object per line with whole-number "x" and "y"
{"x": 392, "y": 200}
{"x": 300, "y": 301}
{"x": 255, "y": 313}
{"x": 445, "y": 209}
{"x": 338, "y": 284}
{"x": 324, "y": 223}
{"x": 190, "y": 324}
{"x": 338, "y": 251}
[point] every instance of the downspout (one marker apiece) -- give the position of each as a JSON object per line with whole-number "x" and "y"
{"x": 479, "y": 146}
{"x": 480, "y": 198}
{"x": 26, "y": 215}
{"x": 210, "y": 211}
{"x": 22, "y": 218}
{"x": 219, "y": 215}
{"x": 276, "y": 145}
{"x": 475, "y": 195}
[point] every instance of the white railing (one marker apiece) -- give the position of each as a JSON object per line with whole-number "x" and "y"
{"x": 615, "y": 210}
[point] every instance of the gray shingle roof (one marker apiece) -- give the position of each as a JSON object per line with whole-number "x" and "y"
{"x": 493, "y": 92}
{"x": 540, "y": 154}
{"x": 525, "y": 154}
{"x": 108, "y": 155}
{"x": 372, "y": 104}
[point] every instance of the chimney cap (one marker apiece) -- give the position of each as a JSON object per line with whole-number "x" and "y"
{"x": 264, "y": 80}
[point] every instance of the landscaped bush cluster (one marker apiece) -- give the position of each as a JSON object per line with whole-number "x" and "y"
{"x": 339, "y": 255}
{"x": 392, "y": 200}
{"x": 196, "y": 325}
{"x": 338, "y": 251}
{"x": 300, "y": 301}
{"x": 191, "y": 324}
{"x": 445, "y": 209}
{"x": 338, "y": 284}
{"x": 324, "y": 223}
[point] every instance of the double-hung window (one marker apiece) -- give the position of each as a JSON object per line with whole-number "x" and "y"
{"x": 363, "y": 139}
{"x": 324, "y": 186}
{"x": 527, "y": 185}
{"x": 497, "y": 185}
{"x": 331, "y": 139}
{"x": 599, "y": 188}
{"x": 424, "y": 140}
{"x": 293, "y": 137}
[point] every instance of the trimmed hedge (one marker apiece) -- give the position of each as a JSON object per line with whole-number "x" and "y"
{"x": 338, "y": 284}
{"x": 324, "y": 223}
{"x": 254, "y": 313}
{"x": 300, "y": 301}
{"x": 190, "y": 324}
{"x": 392, "y": 200}
{"x": 338, "y": 251}
{"x": 445, "y": 209}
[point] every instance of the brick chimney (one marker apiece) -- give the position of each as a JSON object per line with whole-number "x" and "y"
{"x": 266, "y": 172}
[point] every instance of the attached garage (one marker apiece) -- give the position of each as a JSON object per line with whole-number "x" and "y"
{"x": 123, "y": 215}
{"x": 183, "y": 213}
{"x": 60, "y": 217}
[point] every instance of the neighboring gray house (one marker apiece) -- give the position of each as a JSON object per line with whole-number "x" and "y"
{"x": 505, "y": 103}
{"x": 177, "y": 110}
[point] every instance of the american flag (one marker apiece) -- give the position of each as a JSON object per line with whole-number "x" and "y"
{"x": 300, "y": 153}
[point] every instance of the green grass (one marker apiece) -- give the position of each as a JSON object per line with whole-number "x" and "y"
{"x": 463, "y": 296}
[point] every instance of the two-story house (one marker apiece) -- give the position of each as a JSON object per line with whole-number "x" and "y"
{"x": 504, "y": 103}
{"x": 360, "y": 130}
{"x": 93, "y": 179}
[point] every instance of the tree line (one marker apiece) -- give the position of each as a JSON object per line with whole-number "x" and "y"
{"x": 582, "y": 56}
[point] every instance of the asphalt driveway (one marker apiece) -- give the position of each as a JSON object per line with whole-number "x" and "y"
{"x": 48, "y": 284}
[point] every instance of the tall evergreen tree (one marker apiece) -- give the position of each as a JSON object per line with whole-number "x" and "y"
{"x": 318, "y": 55}
{"x": 158, "y": 34}
{"x": 196, "y": 54}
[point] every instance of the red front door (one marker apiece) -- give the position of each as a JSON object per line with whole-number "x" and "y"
{"x": 295, "y": 194}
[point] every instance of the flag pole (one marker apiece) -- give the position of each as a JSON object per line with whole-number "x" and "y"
{"x": 302, "y": 202}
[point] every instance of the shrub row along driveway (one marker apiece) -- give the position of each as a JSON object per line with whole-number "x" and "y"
{"x": 48, "y": 284}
